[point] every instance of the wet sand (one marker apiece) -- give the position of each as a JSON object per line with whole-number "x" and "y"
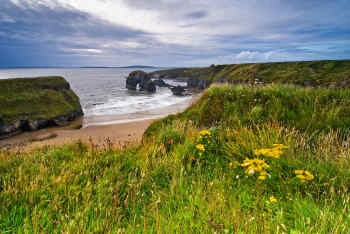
{"x": 118, "y": 130}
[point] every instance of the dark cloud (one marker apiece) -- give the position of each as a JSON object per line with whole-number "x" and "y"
{"x": 197, "y": 14}
{"x": 199, "y": 33}
{"x": 44, "y": 34}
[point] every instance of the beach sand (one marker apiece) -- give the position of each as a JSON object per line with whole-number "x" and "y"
{"x": 100, "y": 130}
{"x": 117, "y": 134}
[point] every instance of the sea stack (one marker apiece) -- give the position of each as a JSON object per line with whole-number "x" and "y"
{"x": 140, "y": 80}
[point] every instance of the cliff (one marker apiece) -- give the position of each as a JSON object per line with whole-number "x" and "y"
{"x": 28, "y": 104}
{"x": 332, "y": 74}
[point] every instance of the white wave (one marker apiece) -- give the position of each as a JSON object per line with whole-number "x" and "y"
{"x": 133, "y": 104}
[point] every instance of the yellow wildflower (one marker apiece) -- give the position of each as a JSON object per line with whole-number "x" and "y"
{"x": 308, "y": 175}
{"x": 230, "y": 164}
{"x": 262, "y": 177}
{"x": 273, "y": 199}
{"x": 303, "y": 175}
{"x": 299, "y": 172}
{"x": 204, "y": 132}
{"x": 275, "y": 152}
{"x": 255, "y": 165}
{"x": 280, "y": 146}
{"x": 200, "y": 147}
{"x": 263, "y": 173}
{"x": 192, "y": 158}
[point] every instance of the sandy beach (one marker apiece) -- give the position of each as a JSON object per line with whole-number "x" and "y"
{"x": 118, "y": 130}
{"x": 117, "y": 134}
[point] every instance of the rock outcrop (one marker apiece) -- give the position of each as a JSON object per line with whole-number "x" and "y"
{"x": 161, "y": 83}
{"x": 140, "y": 80}
{"x": 179, "y": 90}
{"x": 196, "y": 83}
{"x": 49, "y": 102}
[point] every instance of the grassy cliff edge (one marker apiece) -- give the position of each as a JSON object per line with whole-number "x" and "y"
{"x": 27, "y": 102}
{"x": 329, "y": 73}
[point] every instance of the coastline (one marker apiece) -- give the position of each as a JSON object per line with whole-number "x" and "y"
{"x": 117, "y": 130}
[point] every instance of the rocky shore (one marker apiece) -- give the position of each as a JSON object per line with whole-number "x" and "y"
{"x": 30, "y": 104}
{"x": 142, "y": 81}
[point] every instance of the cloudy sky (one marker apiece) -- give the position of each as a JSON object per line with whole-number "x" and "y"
{"x": 171, "y": 32}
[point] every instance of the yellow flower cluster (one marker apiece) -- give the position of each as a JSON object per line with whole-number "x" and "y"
{"x": 303, "y": 175}
{"x": 204, "y": 133}
{"x": 273, "y": 199}
{"x": 256, "y": 165}
{"x": 274, "y": 152}
{"x": 200, "y": 147}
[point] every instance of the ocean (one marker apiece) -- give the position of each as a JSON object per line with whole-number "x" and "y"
{"x": 103, "y": 95}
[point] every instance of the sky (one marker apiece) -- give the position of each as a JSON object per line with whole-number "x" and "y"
{"x": 171, "y": 32}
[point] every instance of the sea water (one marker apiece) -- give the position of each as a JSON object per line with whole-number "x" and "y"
{"x": 103, "y": 95}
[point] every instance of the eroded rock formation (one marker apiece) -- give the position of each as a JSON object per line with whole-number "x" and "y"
{"x": 140, "y": 80}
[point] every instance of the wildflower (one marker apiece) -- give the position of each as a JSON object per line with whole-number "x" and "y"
{"x": 273, "y": 199}
{"x": 255, "y": 165}
{"x": 261, "y": 177}
{"x": 303, "y": 176}
{"x": 280, "y": 146}
{"x": 200, "y": 147}
{"x": 237, "y": 176}
{"x": 263, "y": 173}
{"x": 230, "y": 164}
{"x": 204, "y": 133}
{"x": 192, "y": 158}
{"x": 299, "y": 172}
{"x": 274, "y": 152}
{"x": 308, "y": 175}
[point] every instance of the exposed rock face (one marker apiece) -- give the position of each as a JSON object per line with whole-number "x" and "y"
{"x": 178, "y": 90}
{"x": 197, "y": 83}
{"x": 45, "y": 109}
{"x": 161, "y": 83}
{"x": 141, "y": 79}
{"x": 18, "y": 126}
{"x": 37, "y": 124}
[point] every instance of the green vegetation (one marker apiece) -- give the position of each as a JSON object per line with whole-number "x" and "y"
{"x": 272, "y": 159}
{"x": 306, "y": 109}
{"x": 36, "y": 98}
{"x": 313, "y": 73}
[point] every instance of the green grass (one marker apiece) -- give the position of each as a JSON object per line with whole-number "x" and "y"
{"x": 317, "y": 73}
{"x": 168, "y": 185}
{"x": 35, "y": 98}
{"x": 306, "y": 109}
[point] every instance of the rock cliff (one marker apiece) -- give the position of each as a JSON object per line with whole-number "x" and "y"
{"x": 29, "y": 104}
{"x": 141, "y": 80}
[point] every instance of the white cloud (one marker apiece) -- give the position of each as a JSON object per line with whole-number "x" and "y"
{"x": 90, "y": 51}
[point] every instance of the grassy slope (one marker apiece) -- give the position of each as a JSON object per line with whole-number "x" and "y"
{"x": 25, "y": 98}
{"x": 306, "y": 109}
{"x": 167, "y": 185}
{"x": 322, "y": 73}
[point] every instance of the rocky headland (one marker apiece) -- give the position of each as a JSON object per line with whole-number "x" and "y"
{"x": 327, "y": 74}
{"x": 30, "y": 104}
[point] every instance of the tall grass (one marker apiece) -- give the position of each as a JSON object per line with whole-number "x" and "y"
{"x": 170, "y": 185}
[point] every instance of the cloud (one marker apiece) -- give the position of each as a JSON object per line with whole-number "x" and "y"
{"x": 197, "y": 14}
{"x": 171, "y": 32}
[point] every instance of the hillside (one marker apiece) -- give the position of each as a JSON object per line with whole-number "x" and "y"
{"x": 31, "y": 103}
{"x": 266, "y": 159}
{"x": 334, "y": 74}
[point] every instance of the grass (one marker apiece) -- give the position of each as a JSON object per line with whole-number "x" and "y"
{"x": 316, "y": 73}
{"x": 189, "y": 174}
{"x": 36, "y": 98}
